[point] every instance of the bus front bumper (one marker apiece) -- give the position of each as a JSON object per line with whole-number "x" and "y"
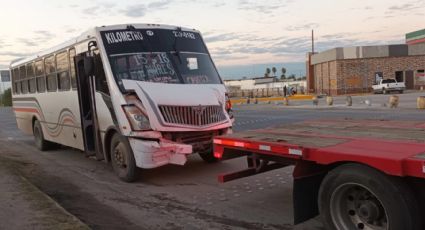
{"x": 152, "y": 154}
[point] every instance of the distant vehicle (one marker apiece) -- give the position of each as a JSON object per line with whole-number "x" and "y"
{"x": 385, "y": 86}
{"x": 139, "y": 96}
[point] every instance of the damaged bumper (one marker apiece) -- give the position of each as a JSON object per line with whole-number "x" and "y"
{"x": 152, "y": 154}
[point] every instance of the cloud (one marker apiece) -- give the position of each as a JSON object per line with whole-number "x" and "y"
{"x": 28, "y": 42}
{"x": 140, "y": 10}
{"x": 43, "y": 33}
{"x": 261, "y": 7}
{"x": 220, "y": 37}
{"x": 104, "y": 8}
{"x": 135, "y": 11}
{"x": 159, "y": 4}
{"x": 13, "y": 54}
{"x": 307, "y": 26}
{"x": 406, "y": 8}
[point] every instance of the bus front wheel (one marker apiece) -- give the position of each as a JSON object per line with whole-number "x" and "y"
{"x": 122, "y": 159}
{"x": 208, "y": 156}
{"x": 354, "y": 196}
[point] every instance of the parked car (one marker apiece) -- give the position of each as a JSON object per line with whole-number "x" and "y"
{"x": 385, "y": 86}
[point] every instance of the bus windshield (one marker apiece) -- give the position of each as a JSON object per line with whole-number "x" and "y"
{"x": 159, "y": 55}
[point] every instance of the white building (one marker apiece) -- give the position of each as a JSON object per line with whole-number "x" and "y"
{"x": 263, "y": 83}
{"x": 5, "y": 82}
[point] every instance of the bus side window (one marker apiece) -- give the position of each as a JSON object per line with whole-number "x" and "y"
{"x": 24, "y": 80}
{"x": 72, "y": 68}
{"x": 49, "y": 67}
{"x": 62, "y": 68}
{"x": 15, "y": 76}
{"x": 41, "y": 79}
{"x": 31, "y": 78}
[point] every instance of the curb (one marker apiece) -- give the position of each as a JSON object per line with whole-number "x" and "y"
{"x": 77, "y": 223}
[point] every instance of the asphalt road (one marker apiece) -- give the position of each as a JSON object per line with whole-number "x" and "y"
{"x": 175, "y": 197}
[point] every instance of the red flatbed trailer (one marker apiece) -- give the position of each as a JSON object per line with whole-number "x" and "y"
{"x": 358, "y": 174}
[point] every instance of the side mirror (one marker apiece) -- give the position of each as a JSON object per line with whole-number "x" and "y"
{"x": 89, "y": 66}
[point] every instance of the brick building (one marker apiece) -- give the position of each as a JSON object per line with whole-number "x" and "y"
{"x": 355, "y": 69}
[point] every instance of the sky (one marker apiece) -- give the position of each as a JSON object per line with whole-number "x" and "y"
{"x": 240, "y": 34}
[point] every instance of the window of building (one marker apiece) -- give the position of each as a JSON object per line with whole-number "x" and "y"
{"x": 62, "y": 67}
{"x": 5, "y": 76}
{"x": 72, "y": 68}
{"x": 50, "y": 69}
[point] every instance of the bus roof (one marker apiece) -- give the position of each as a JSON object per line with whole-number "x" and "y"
{"x": 88, "y": 34}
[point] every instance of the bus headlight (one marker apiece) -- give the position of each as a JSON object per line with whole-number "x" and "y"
{"x": 138, "y": 120}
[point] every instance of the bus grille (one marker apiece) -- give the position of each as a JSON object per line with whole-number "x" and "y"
{"x": 192, "y": 115}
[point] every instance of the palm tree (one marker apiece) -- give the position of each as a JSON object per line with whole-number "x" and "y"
{"x": 274, "y": 70}
{"x": 283, "y": 76}
{"x": 268, "y": 71}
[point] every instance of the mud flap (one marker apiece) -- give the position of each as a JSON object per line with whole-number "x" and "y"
{"x": 305, "y": 193}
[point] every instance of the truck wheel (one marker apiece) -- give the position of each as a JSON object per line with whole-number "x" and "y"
{"x": 41, "y": 143}
{"x": 208, "y": 156}
{"x": 355, "y": 196}
{"x": 122, "y": 159}
{"x": 384, "y": 91}
{"x": 401, "y": 91}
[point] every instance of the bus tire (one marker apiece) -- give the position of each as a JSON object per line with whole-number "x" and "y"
{"x": 41, "y": 143}
{"x": 355, "y": 196}
{"x": 208, "y": 156}
{"x": 122, "y": 159}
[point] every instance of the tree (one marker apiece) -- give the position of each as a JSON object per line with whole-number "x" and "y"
{"x": 292, "y": 76}
{"x": 274, "y": 70}
{"x": 267, "y": 74}
{"x": 283, "y": 76}
{"x": 6, "y": 98}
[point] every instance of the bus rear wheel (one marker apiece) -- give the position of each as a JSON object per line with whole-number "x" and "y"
{"x": 41, "y": 143}
{"x": 355, "y": 196}
{"x": 122, "y": 159}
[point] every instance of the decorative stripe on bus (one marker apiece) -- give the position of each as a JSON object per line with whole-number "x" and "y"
{"x": 31, "y": 105}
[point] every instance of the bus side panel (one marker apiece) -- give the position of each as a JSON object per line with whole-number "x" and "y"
{"x": 62, "y": 121}
{"x": 24, "y": 121}
{"x": 25, "y": 111}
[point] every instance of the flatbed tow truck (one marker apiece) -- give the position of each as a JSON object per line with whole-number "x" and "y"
{"x": 357, "y": 174}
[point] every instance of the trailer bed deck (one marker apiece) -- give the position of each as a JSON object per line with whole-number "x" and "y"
{"x": 395, "y": 147}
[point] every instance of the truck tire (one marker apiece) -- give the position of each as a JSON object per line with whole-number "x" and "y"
{"x": 122, "y": 159}
{"x": 354, "y": 196}
{"x": 41, "y": 143}
{"x": 384, "y": 91}
{"x": 208, "y": 156}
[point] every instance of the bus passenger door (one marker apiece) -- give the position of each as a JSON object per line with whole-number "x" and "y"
{"x": 89, "y": 122}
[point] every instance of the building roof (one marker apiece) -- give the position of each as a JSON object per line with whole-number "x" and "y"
{"x": 359, "y": 52}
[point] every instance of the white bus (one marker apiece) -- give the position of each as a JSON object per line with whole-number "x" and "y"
{"x": 138, "y": 96}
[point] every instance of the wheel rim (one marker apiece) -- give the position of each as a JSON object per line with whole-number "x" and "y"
{"x": 119, "y": 156}
{"x": 354, "y": 206}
